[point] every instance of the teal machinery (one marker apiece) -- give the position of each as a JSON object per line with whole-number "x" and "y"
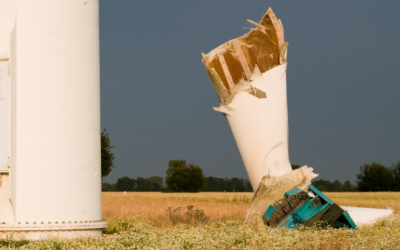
{"x": 307, "y": 209}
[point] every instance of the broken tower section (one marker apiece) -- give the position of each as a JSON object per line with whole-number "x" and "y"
{"x": 249, "y": 76}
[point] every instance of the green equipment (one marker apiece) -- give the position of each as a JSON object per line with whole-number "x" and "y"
{"x": 301, "y": 208}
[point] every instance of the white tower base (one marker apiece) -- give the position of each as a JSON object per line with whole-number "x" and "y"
{"x": 42, "y": 231}
{"x": 50, "y": 133}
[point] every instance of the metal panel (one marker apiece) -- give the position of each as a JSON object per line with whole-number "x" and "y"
{"x": 1, "y": 84}
{"x": 4, "y": 117}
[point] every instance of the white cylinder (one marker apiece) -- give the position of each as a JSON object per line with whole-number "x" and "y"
{"x": 260, "y": 126}
{"x": 55, "y": 172}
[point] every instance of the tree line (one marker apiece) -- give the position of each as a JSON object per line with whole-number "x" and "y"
{"x": 373, "y": 177}
{"x": 156, "y": 184}
{"x": 335, "y": 186}
{"x": 183, "y": 177}
{"x": 214, "y": 184}
{"x": 152, "y": 183}
{"x": 328, "y": 186}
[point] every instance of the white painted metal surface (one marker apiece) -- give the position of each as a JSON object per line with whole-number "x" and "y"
{"x": 6, "y": 24}
{"x": 260, "y": 126}
{"x": 54, "y": 104}
{"x": 4, "y": 114}
{"x": 361, "y": 215}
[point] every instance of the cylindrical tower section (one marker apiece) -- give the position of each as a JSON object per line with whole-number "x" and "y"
{"x": 55, "y": 173}
{"x": 248, "y": 74}
{"x": 260, "y": 127}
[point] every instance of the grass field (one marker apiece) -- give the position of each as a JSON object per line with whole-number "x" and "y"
{"x": 154, "y": 206}
{"x": 214, "y": 221}
{"x": 217, "y": 206}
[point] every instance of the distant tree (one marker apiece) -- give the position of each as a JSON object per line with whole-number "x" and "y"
{"x": 211, "y": 184}
{"x": 125, "y": 184}
{"x": 196, "y": 178}
{"x": 322, "y": 185}
{"x": 176, "y": 180}
{"x": 107, "y": 157}
{"x": 294, "y": 166}
{"x": 247, "y": 186}
{"x": 237, "y": 184}
{"x": 107, "y": 187}
{"x": 141, "y": 184}
{"x": 155, "y": 183}
{"x": 395, "y": 169}
{"x": 327, "y": 186}
{"x": 347, "y": 186}
{"x": 214, "y": 184}
{"x": 228, "y": 185}
{"x": 182, "y": 177}
{"x": 337, "y": 186}
{"x": 375, "y": 177}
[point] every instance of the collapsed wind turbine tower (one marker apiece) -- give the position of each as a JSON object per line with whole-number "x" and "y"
{"x": 248, "y": 74}
{"x": 50, "y": 174}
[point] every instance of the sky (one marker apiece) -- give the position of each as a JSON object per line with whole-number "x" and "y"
{"x": 343, "y": 84}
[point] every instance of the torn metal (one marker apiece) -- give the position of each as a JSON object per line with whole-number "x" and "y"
{"x": 272, "y": 188}
{"x": 233, "y": 65}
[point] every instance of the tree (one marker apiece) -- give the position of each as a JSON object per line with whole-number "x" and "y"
{"x": 182, "y": 177}
{"x": 395, "y": 169}
{"x": 107, "y": 157}
{"x": 107, "y": 187}
{"x": 347, "y": 186}
{"x": 196, "y": 178}
{"x": 227, "y": 185}
{"x": 215, "y": 184}
{"x": 141, "y": 184}
{"x": 337, "y": 186}
{"x": 237, "y": 184}
{"x": 375, "y": 177}
{"x": 322, "y": 185}
{"x": 155, "y": 183}
{"x": 212, "y": 184}
{"x": 125, "y": 184}
{"x": 247, "y": 186}
{"x": 294, "y": 166}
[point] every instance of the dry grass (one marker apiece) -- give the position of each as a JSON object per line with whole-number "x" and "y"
{"x": 153, "y": 206}
{"x": 139, "y": 221}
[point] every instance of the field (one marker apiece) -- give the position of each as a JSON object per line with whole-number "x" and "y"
{"x": 217, "y": 206}
{"x": 214, "y": 221}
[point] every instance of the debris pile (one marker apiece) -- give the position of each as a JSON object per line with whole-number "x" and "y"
{"x": 290, "y": 200}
